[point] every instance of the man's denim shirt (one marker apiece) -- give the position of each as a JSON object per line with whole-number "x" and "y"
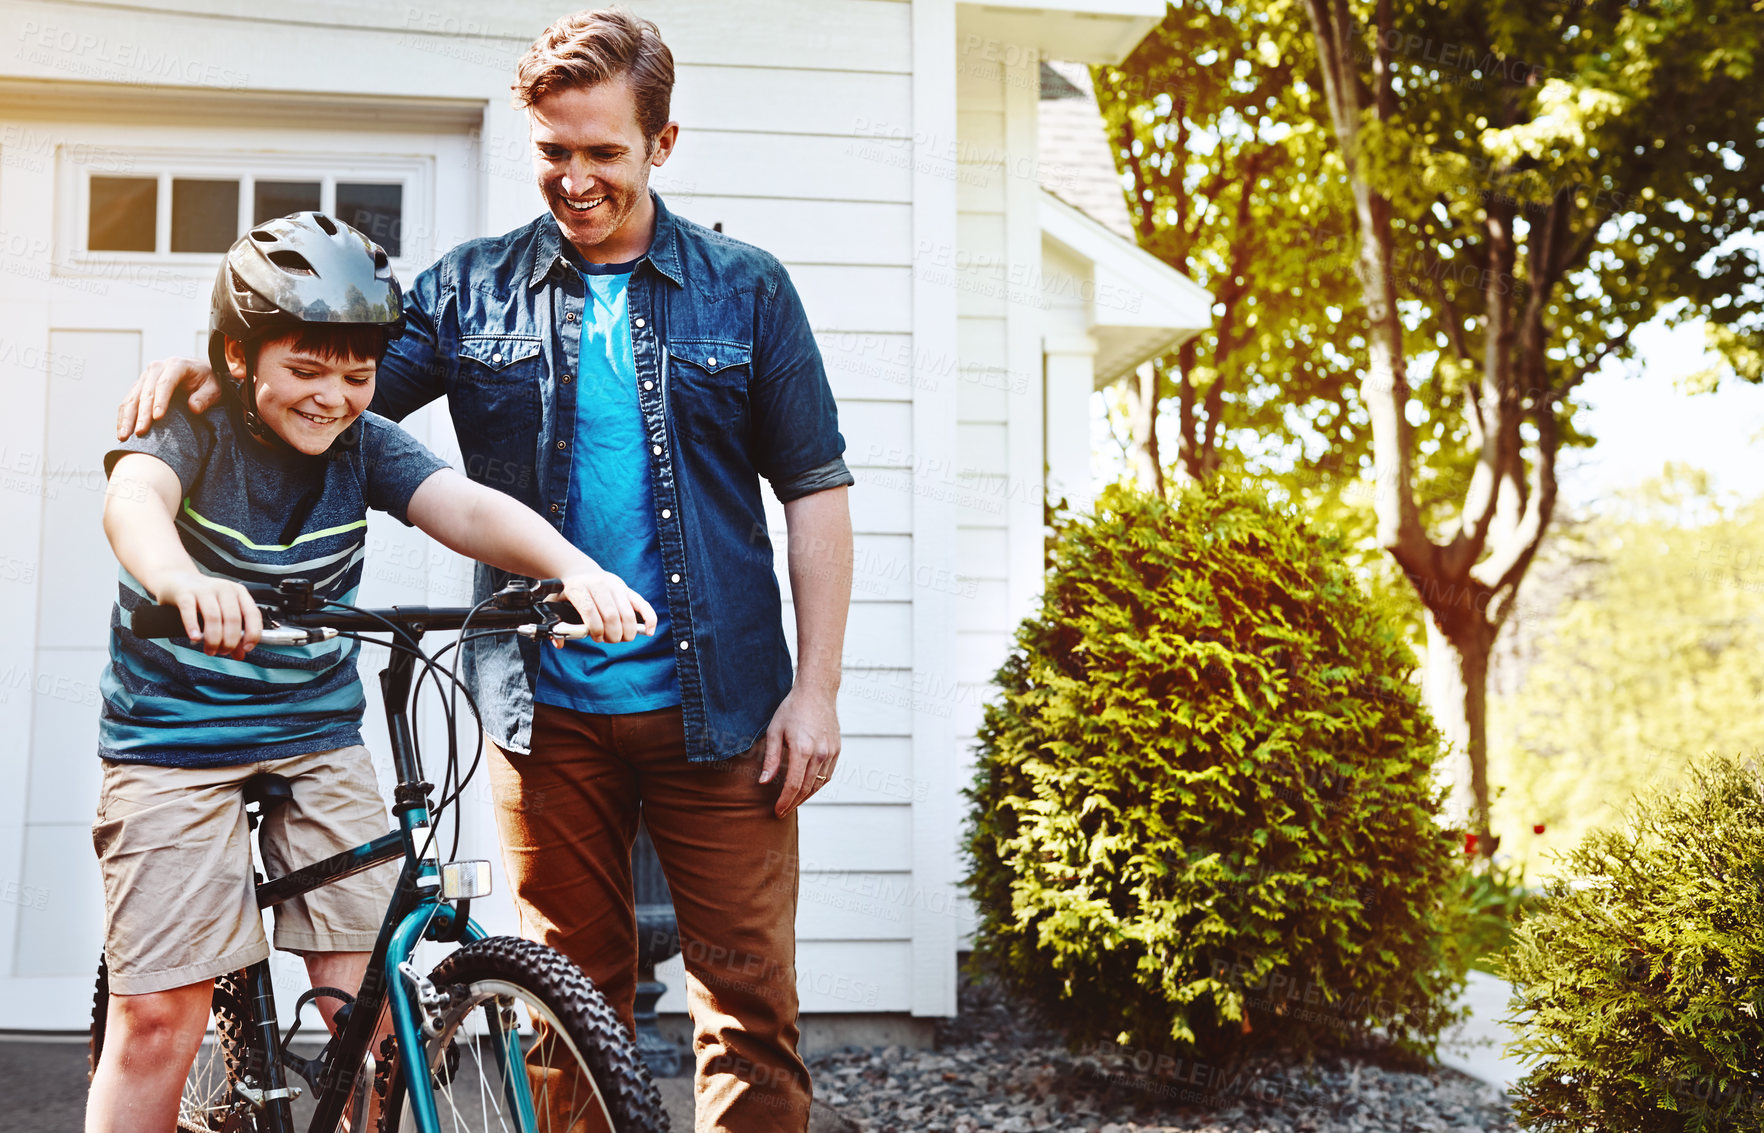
{"x": 731, "y": 388}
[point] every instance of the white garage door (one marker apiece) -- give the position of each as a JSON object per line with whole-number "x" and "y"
{"x": 109, "y": 239}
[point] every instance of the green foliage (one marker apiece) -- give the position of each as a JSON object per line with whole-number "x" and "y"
{"x": 1651, "y": 657}
{"x": 1557, "y": 176}
{"x": 1233, "y": 179}
{"x": 1638, "y": 989}
{"x": 1624, "y": 137}
{"x": 1203, "y": 813}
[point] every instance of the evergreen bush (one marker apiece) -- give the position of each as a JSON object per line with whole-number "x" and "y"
{"x": 1203, "y": 814}
{"x": 1638, "y": 986}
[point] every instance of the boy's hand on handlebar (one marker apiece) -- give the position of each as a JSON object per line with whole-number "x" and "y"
{"x": 219, "y": 613}
{"x": 152, "y": 393}
{"x": 611, "y": 610}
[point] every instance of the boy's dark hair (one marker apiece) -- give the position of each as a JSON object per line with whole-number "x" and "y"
{"x": 334, "y": 342}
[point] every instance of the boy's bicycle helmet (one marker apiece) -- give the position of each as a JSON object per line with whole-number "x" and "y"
{"x": 291, "y": 272}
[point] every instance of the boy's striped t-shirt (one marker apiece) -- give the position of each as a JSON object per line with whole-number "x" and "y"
{"x": 257, "y": 515}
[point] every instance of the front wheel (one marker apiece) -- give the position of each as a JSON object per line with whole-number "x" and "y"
{"x": 527, "y": 1043}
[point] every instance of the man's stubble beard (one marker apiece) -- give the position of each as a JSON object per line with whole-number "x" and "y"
{"x": 639, "y": 193}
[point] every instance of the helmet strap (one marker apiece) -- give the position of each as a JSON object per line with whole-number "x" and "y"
{"x": 254, "y": 423}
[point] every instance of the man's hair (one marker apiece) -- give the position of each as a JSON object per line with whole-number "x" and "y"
{"x": 598, "y": 46}
{"x": 334, "y": 342}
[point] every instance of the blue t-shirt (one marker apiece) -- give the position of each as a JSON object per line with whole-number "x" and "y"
{"x": 611, "y": 515}
{"x": 257, "y": 515}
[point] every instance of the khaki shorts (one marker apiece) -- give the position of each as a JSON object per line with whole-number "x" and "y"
{"x": 174, "y": 848}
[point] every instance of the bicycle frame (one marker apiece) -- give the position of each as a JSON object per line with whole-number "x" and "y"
{"x": 417, "y": 912}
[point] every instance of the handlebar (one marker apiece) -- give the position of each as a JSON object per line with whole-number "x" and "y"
{"x": 290, "y": 620}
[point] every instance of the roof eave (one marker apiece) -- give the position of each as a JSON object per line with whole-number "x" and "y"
{"x": 1140, "y": 306}
{"x": 1081, "y": 31}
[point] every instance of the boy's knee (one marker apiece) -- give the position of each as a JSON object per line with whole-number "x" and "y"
{"x": 165, "y": 1020}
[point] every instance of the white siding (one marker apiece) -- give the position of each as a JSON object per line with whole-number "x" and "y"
{"x": 842, "y": 976}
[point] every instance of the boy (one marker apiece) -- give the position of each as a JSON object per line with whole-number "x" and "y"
{"x": 276, "y": 485}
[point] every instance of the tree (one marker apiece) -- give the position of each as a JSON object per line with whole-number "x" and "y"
{"x": 1545, "y": 179}
{"x": 1220, "y": 140}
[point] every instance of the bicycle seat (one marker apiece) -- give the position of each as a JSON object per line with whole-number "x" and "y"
{"x": 268, "y": 790}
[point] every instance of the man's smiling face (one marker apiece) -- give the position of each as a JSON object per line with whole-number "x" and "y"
{"x": 593, "y": 164}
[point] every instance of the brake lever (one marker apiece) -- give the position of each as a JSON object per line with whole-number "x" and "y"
{"x": 548, "y": 627}
{"x": 520, "y": 593}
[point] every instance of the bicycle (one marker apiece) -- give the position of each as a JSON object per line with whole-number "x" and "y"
{"x": 241, "y": 1084}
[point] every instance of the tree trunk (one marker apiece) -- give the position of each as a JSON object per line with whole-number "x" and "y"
{"x": 1142, "y": 426}
{"x": 1455, "y": 686}
{"x": 1467, "y": 582}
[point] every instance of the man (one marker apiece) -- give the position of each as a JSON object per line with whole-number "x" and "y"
{"x": 631, "y": 376}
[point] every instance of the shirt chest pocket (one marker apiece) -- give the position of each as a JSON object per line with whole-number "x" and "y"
{"x": 500, "y": 385}
{"x": 707, "y": 392}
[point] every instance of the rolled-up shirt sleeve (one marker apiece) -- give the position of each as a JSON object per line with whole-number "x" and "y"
{"x": 796, "y": 441}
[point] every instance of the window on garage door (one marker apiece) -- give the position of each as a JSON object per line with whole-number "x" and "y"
{"x": 168, "y": 209}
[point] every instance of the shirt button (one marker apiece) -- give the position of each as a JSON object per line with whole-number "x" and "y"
{"x": 496, "y": 357}
{"x": 566, "y": 379}
{"x": 656, "y": 449}
{"x": 673, "y": 578}
{"x": 570, "y": 318}
{"x": 648, "y": 385}
{"x": 666, "y": 513}
{"x": 553, "y": 509}
{"x": 562, "y": 445}
{"x": 639, "y": 324}
{"x": 712, "y": 359}
{"x": 685, "y": 645}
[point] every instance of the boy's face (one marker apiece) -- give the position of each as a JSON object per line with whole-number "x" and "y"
{"x": 307, "y": 398}
{"x": 592, "y": 162}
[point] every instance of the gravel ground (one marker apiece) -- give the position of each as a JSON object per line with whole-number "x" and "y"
{"x": 994, "y": 1071}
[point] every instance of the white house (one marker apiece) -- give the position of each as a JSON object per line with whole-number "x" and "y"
{"x": 885, "y": 150}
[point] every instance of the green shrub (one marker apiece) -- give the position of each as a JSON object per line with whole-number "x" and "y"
{"x": 1638, "y": 986}
{"x": 1203, "y": 814}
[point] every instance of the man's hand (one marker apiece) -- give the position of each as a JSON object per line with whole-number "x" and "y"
{"x": 151, "y": 395}
{"x": 804, "y": 739}
{"x": 230, "y": 622}
{"x": 611, "y": 610}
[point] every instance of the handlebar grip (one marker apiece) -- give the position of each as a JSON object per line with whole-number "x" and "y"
{"x": 157, "y": 621}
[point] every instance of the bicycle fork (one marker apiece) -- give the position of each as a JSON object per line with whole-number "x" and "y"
{"x": 418, "y": 1008}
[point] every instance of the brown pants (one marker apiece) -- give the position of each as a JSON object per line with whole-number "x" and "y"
{"x": 568, "y": 813}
